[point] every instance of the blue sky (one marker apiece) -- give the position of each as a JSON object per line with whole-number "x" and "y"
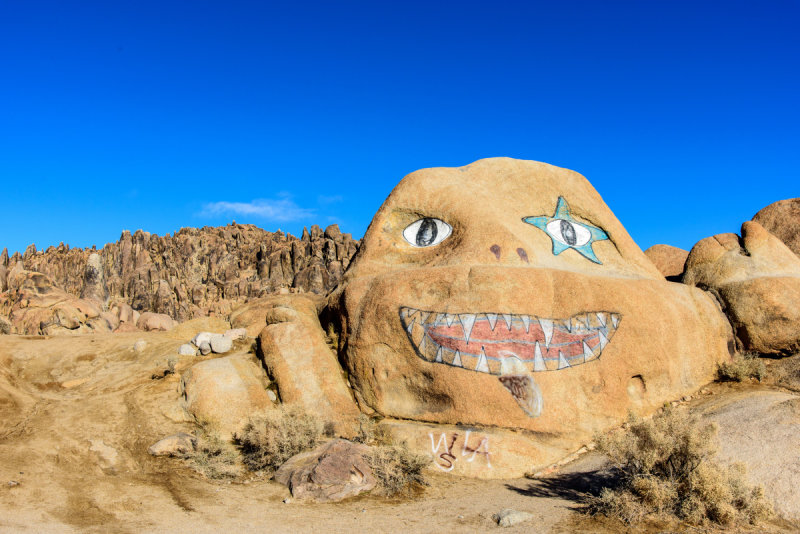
{"x": 159, "y": 115}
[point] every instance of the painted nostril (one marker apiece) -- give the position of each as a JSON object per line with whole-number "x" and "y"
{"x": 495, "y": 250}
{"x": 523, "y": 255}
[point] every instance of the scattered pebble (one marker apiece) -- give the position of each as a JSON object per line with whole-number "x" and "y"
{"x": 140, "y": 345}
{"x": 12, "y": 483}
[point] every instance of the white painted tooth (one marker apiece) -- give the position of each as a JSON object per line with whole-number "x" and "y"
{"x": 467, "y": 322}
{"x": 483, "y": 364}
{"x": 439, "y": 356}
{"x": 412, "y": 311}
{"x": 538, "y": 361}
{"x": 449, "y": 318}
{"x": 439, "y": 318}
{"x": 492, "y": 319}
{"x": 410, "y": 325}
{"x": 615, "y": 319}
{"x": 586, "y": 320}
{"x": 601, "y": 316}
{"x": 526, "y": 320}
{"x": 423, "y": 316}
{"x": 562, "y": 362}
{"x": 547, "y": 328}
{"x": 587, "y": 352}
{"x": 603, "y": 340}
{"x": 421, "y": 347}
{"x": 509, "y": 320}
{"x": 457, "y": 359}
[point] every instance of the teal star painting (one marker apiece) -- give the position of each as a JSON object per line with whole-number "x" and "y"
{"x": 566, "y": 232}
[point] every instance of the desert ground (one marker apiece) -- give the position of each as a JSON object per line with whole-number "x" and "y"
{"x": 77, "y": 414}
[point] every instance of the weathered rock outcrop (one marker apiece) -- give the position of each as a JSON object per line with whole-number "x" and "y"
{"x": 668, "y": 259}
{"x": 196, "y": 271}
{"x": 757, "y": 278}
{"x": 506, "y": 295}
{"x": 782, "y": 219}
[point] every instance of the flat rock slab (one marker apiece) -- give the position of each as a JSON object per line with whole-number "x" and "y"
{"x": 761, "y": 428}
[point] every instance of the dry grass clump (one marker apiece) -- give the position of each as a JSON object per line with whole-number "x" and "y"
{"x": 666, "y": 467}
{"x": 214, "y": 457}
{"x": 370, "y": 432}
{"x": 269, "y": 439}
{"x": 397, "y": 469}
{"x": 742, "y": 367}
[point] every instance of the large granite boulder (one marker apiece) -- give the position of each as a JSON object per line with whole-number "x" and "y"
{"x": 506, "y": 295}
{"x": 757, "y": 278}
{"x": 297, "y": 357}
{"x": 782, "y": 219}
{"x": 224, "y": 392}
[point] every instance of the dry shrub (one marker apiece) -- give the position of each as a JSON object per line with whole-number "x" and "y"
{"x": 214, "y": 457}
{"x": 397, "y": 469}
{"x": 666, "y": 466}
{"x": 269, "y": 439}
{"x": 742, "y": 367}
{"x": 370, "y": 432}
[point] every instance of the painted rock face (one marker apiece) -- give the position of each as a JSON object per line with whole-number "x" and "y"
{"x": 505, "y": 293}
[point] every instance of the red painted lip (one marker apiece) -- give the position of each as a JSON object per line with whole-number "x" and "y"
{"x": 496, "y": 342}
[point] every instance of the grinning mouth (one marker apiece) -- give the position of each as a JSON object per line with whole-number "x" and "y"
{"x": 508, "y": 344}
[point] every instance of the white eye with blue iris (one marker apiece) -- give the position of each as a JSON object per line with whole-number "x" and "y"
{"x": 426, "y": 232}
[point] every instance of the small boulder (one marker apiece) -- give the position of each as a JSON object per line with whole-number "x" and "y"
{"x": 669, "y": 260}
{"x": 331, "y": 472}
{"x": 179, "y": 444}
{"x": 782, "y": 219}
{"x": 509, "y": 517}
{"x": 140, "y": 345}
{"x": 221, "y": 344}
{"x": 5, "y": 326}
{"x": 187, "y": 350}
{"x": 202, "y": 337}
{"x": 150, "y": 321}
{"x": 205, "y": 348}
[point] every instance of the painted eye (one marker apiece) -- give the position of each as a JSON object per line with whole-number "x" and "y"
{"x": 426, "y": 232}
{"x": 569, "y": 233}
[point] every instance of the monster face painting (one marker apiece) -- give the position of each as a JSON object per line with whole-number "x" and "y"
{"x": 509, "y": 345}
{"x": 469, "y": 304}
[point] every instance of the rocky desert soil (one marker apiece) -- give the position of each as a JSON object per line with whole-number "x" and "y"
{"x": 77, "y": 414}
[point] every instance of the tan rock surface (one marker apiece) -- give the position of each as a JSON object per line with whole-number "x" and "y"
{"x": 225, "y": 391}
{"x": 782, "y": 219}
{"x": 757, "y": 278}
{"x": 297, "y": 357}
{"x": 150, "y": 321}
{"x": 612, "y": 334}
{"x": 668, "y": 259}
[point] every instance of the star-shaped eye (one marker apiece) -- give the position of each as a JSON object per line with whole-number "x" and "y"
{"x": 566, "y": 232}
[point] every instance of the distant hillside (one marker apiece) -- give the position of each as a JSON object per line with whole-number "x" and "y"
{"x": 196, "y": 271}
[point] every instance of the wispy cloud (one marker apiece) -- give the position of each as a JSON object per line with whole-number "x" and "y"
{"x": 281, "y": 209}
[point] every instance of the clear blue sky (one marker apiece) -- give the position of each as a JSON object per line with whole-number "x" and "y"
{"x": 158, "y": 115}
